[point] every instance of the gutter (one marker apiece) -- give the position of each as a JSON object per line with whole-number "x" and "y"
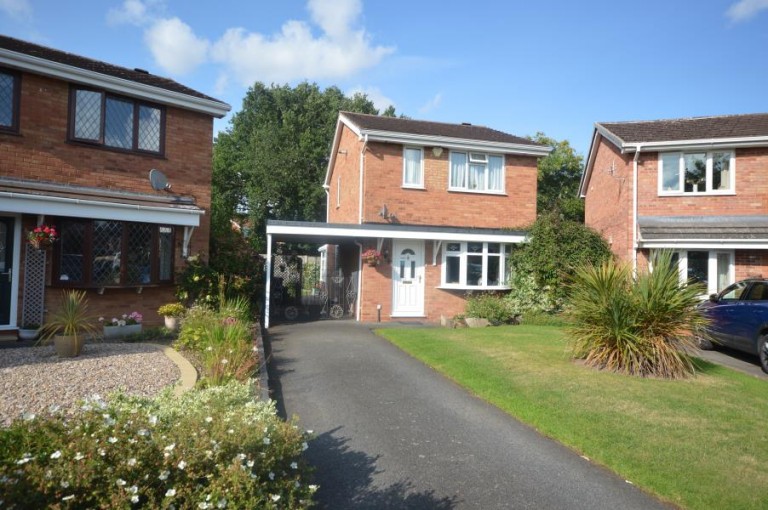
{"x": 116, "y": 205}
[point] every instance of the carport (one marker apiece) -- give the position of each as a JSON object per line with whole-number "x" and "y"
{"x": 406, "y": 251}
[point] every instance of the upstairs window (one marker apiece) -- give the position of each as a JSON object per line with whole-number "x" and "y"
{"x": 9, "y": 101}
{"x": 413, "y": 167}
{"x": 107, "y": 253}
{"x": 476, "y": 171}
{"x": 696, "y": 172}
{"x": 116, "y": 122}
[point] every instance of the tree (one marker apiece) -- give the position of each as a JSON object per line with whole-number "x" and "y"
{"x": 271, "y": 161}
{"x": 559, "y": 178}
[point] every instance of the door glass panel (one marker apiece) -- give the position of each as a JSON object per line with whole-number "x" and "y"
{"x": 3, "y": 248}
{"x": 723, "y": 270}
{"x": 698, "y": 266}
{"x": 402, "y": 269}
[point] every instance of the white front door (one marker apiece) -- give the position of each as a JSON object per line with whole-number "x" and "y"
{"x": 407, "y": 278}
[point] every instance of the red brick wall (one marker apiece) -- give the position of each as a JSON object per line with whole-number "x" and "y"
{"x": 346, "y": 168}
{"x": 41, "y": 152}
{"x": 751, "y": 189}
{"x": 435, "y": 205}
{"x": 608, "y": 203}
{"x": 751, "y": 263}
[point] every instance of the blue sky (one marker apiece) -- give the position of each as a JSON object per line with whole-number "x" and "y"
{"x": 520, "y": 67}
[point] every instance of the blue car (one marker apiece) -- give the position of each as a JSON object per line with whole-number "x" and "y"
{"x": 739, "y": 317}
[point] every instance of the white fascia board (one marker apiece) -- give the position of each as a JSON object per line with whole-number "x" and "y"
{"x": 331, "y": 231}
{"x": 610, "y": 136}
{"x": 590, "y": 164}
{"x": 456, "y": 143}
{"x": 706, "y": 143}
{"x": 334, "y": 151}
{"x": 706, "y": 244}
{"x": 79, "y": 208}
{"x": 112, "y": 83}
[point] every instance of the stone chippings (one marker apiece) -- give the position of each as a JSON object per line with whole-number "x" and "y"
{"x": 34, "y": 379}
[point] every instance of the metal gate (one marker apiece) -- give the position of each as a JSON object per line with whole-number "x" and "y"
{"x": 298, "y": 292}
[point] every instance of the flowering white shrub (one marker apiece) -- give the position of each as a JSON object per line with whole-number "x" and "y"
{"x": 209, "y": 448}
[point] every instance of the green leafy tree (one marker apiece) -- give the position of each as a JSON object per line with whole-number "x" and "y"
{"x": 541, "y": 268}
{"x": 271, "y": 161}
{"x": 559, "y": 177}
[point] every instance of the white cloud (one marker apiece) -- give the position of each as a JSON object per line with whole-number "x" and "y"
{"x": 132, "y": 12}
{"x": 17, "y": 9}
{"x": 295, "y": 53}
{"x": 432, "y": 103}
{"x": 175, "y": 47}
{"x": 745, "y": 9}
{"x": 379, "y": 100}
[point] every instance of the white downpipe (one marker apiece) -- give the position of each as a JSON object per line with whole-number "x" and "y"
{"x": 359, "y": 280}
{"x": 268, "y": 287}
{"x": 327, "y": 201}
{"x": 362, "y": 168}
{"x": 634, "y": 207}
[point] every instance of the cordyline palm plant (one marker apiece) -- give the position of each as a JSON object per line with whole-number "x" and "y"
{"x": 646, "y": 325}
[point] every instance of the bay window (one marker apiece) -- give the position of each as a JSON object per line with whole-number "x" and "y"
{"x": 108, "y": 253}
{"x": 476, "y": 171}
{"x": 117, "y": 122}
{"x": 474, "y": 265}
{"x": 696, "y": 172}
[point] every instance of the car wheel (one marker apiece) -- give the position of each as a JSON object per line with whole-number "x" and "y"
{"x": 762, "y": 351}
{"x": 291, "y": 313}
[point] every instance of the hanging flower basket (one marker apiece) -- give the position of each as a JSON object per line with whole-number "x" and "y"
{"x": 42, "y": 237}
{"x": 371, "y": 257}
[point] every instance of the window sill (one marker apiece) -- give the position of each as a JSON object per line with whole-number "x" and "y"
{"x": 700, "y": 194}
{"x": 476, "y": 192}
{"x": 406, "y": 186}
{"x": 102, "y": 147}
{"x": 472, "y": 287}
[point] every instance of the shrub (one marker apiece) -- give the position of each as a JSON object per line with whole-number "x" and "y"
{"x": 171, "y": 310}
{"x": 193, "y": 327}
{"x": 646, "y": 325}
{"x": 490, "y": 306}
{"x": 228, "y": 353}
{"x": 211, "y": 448}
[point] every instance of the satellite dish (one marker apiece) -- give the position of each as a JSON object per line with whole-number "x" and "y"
{"x": 158, "y": 180}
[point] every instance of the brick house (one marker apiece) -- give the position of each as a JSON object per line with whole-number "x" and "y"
{"x": 442, "y": 205}
{"x": 694, "y": 186}
{"x": 78, "y": 139}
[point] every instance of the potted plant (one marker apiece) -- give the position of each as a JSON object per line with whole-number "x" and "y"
{"x": 171, "y": 312}
{"x": 29, "y": 331}
{"x": 42, "y": 237}
{"x": 69, "y": 325}
{"x": 371, "y": 257}
{"x": 129, "y": 324}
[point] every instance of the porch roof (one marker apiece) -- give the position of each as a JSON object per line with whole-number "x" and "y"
{"x": 46, "y": 198}
{"x": 704, "y": 231}
{"x": 333, "y": 233}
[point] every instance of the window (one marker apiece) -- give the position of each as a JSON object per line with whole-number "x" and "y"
{"x": 107, "y": 253}
{"x": 474, "y": 264}
{"x": 413, "y": 167}
{"x": 116, "y": 122}
{"x": 713, "y": 269}
{"x": 9, "y": 101}
{"x": 476, "y": 171}
{"x": 696, "y": 172}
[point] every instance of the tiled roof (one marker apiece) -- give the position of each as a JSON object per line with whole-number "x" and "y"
{"x": 694, "y": 128}
{"x": 421, "y": 127}
{"x": 703, "y": 227}
{"x": 96, "y": 66}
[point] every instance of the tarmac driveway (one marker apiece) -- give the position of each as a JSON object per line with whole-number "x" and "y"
{"x": 390, "y": 433}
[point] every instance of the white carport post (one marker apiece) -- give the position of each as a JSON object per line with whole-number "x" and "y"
{"x": 268, "y": 286}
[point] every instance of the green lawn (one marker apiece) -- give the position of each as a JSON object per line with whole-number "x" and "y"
{"x": 700, "y": 443}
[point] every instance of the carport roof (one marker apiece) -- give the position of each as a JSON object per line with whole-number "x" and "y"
{"x": 308, "y": 231}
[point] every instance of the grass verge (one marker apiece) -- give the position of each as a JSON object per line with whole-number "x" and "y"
{"x": 699, "y": 443}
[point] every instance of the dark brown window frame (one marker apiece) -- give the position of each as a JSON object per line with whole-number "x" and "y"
{"x": 135, "y": 132}
{"x": 14, "y": 127}
{"x": 88, "y": 256}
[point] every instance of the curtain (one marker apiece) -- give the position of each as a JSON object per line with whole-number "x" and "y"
{"x": 495, "y": 173}
{"x": 458, "y": 170}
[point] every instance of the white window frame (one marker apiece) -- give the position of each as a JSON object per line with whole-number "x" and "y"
{"x": 711, "y": 267}
{"x": 472, "y": 157}
{"x": 503, "y": 255}
{"x": 420, "y": 183}
{"x": 680, "y": 191}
